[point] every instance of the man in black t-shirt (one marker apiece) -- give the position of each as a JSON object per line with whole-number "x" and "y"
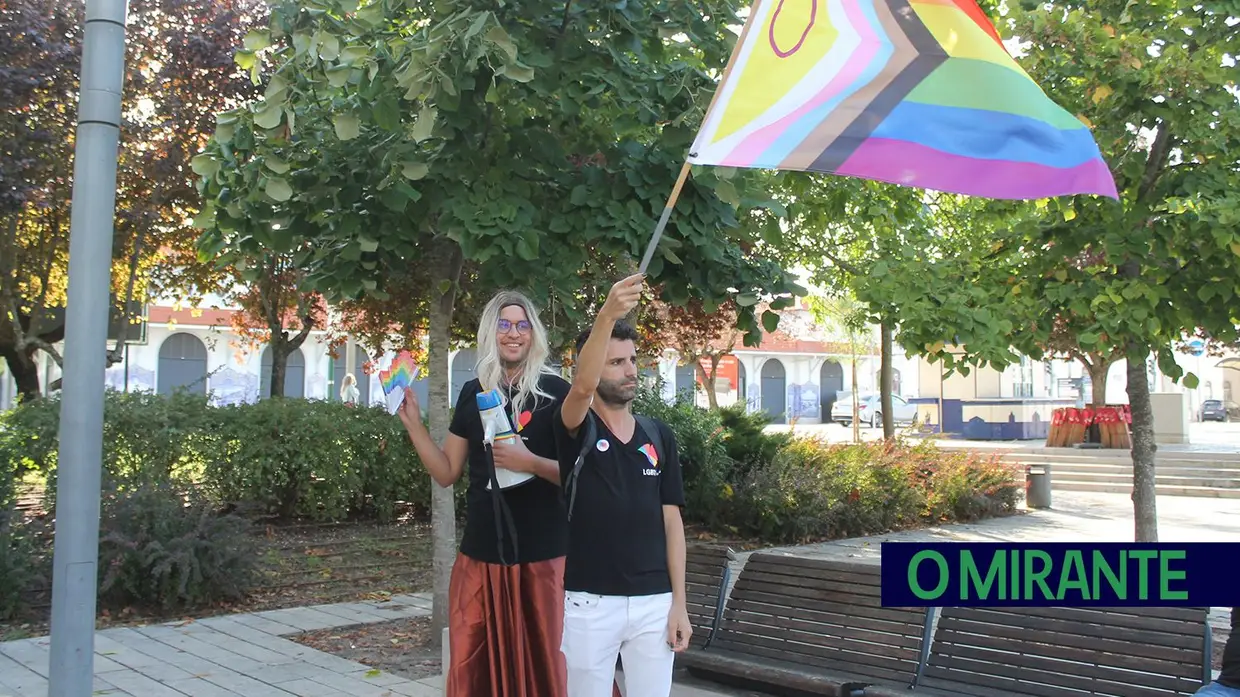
{"x": 506, "y": 597}
{"x": 1228, "y": 682}
{"x": 624, "y": 578}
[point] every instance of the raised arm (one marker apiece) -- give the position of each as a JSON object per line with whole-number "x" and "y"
{"x": 620, "y": 301}
{"x": 446, "y": 464}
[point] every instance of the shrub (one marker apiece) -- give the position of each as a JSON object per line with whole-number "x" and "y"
{"x": 288, "y": 457}
{"x": 168, "y": 549}
{"x": 21, "y": 566}
{"x": 814, "y": 491}
{"x": 748, "y": 445}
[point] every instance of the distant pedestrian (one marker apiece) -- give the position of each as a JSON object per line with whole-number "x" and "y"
{"x": 349, "y": 394}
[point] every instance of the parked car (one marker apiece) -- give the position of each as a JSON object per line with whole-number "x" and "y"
{"x": 1218, "y": 410}
{"x": 872, "y": 410}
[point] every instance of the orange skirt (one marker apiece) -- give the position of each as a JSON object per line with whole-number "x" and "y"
{"x": 505, "y": 624}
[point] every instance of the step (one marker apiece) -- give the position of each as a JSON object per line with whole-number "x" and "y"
{"x": 1125, "y": 459}
{"x": 1126, "y": 470}
{"x": 1161, "y": 490}
{"x": 1160, "y": 480}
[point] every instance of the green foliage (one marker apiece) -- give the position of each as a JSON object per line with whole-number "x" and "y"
{"x": 317, "y": 460}
{"x": 169, "y": 549}
{"x": 287, "y": 457}
{"x": 748, "y": 444}
{"x": 813, "y": 491}
{"x": 21, "y": 564}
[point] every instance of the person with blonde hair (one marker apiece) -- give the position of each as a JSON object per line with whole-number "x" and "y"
{"x": 506, "y": 597}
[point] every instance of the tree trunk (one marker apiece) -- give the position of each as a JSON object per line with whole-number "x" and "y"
{"x": 708, "y": 381}
{"x": 279, "y": 361}
{"x": 1145, "y": 510}
{"x": 25, "y": 372}
{"x": 885, "y": 383}
{"x": 856, "y": 396}
{"x": 1098, "y": 370}
{"x": 443, "y": 508}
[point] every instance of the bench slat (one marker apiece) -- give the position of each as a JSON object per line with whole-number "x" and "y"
{"x": 859, "y": 667}
{"x": 1135, "y": 644}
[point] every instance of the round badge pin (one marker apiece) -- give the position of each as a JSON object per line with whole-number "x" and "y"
{"x": 602, "y": 445}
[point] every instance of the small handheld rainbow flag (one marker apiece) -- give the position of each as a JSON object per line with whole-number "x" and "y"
{"x": 920, "y": 93}
{"x": 400, "y": 374}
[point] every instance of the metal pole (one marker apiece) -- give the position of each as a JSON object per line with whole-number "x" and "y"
{"x": 76, "y": 556}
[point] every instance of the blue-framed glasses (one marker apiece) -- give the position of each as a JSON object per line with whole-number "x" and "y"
{"x": 506, "y": 325}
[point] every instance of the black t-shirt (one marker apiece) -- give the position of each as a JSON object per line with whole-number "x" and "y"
{"x": 537, "y": 508}
{"x": 616, "y": 542}
{"x": 1230, "y": 674}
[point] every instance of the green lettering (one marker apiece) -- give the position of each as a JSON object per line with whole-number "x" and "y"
{"x": 915, "y": 585}
{"x": 1014, "y": 594}
{"x": 1166, "y": 575}
{"x": 1039, "y": 576}
{"x": 1102, "y": 567}
{"x": 971, "y": 578}
{"x": 1074, "y": 564}
{"x": 1143, "y": 571}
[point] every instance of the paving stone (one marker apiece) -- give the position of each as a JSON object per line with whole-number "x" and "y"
{"x": 416, "y": 688}
{"x": 435, "y": 681}
{"x": 310, "y": 688}
{"x": 383, "y": 679}
{"x": 200, "y": 687}
{"x": 355, "y": 613}
{"x": 244, "y": 685}
{"x": 242, "y": 647}
{"x": 138, "y": 684}
{"x": 29, "y": 653}
{"x": 249, "y": 634}
{"x": 264, "y": 624}
{"x": 355, "y": 686}
{"x": 304, "y": 619}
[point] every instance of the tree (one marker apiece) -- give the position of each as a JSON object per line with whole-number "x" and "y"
{"x": 841, "y": 229}
{"x": 1133, "y": 278}
{"x": 445, "y": 138}
{"x": 701, "y": 334}
{"x": 848, "y": 318}
{"x": 179, "y": 72}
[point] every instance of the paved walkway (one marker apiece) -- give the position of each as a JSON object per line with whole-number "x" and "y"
{"x": 249, "y": 655}
{"x": 243, "y": 655}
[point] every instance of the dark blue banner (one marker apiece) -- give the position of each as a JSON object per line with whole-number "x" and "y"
{"x": 1064, "y": 574}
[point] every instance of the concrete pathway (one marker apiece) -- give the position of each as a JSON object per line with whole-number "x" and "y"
{"x": 250, "y": 655}
{"x": 244, "y": 655}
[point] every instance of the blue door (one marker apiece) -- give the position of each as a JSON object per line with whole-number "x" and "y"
{"x": 774, "y": 391}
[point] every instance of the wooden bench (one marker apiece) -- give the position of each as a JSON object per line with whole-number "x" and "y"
{"x": 811, "y": 626}
{"x": 1065, "y": 652}
{"x": 706, "y": 582}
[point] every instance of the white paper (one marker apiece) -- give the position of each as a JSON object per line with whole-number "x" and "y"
{"x": 394, "y": 400}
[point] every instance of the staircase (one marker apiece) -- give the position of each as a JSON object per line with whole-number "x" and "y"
{"x": 1215, "y": 475}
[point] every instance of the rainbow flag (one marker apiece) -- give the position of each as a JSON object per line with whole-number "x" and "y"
{"x": 920, "y": 93}
{"x": 400, "y": 374}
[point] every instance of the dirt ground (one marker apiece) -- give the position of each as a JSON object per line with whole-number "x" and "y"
{"x": 400, "y": 647}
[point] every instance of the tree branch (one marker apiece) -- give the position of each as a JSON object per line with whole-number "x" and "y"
{"x": 1159, "y": 152}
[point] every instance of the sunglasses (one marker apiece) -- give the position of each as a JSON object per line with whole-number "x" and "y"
{"x": 506, "y": 325}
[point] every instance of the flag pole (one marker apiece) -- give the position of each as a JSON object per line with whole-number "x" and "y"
{"x": 684, "y": 170}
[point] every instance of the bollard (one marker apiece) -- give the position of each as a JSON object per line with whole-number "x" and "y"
{"x": 1038, "y": 486}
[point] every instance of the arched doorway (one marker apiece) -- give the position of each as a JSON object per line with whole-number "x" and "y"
{"x": 182, "y": 365}
{"x": 294, "y": 374}
{"x": 830, "y": 382}
{"x": 686, "y": 383}
{"x": 774, "y": 390}
{"x": 360, "y": 358}
{"x": 464, "y": 369}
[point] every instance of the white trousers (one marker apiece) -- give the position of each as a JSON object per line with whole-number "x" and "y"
{"x": 597, "y": 628}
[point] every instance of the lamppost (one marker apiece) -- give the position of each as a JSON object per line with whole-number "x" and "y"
{"x": 76, "y": 556}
